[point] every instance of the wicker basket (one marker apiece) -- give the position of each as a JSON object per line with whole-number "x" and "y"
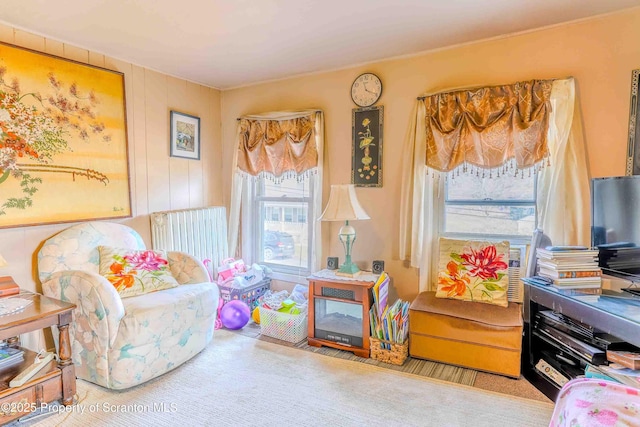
{"x": 396, "y": 356}
{"x": 283, "y": 326}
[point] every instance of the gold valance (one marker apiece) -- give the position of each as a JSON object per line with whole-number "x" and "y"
{"x": 277, "y": 147}
{"x": 487, "y": 127}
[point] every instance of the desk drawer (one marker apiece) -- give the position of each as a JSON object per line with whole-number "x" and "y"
{"x": 23, "y": 401}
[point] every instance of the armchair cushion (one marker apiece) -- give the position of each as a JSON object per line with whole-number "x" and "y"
{"x": 473, "y": 271}
{"x": 135, "y": 272}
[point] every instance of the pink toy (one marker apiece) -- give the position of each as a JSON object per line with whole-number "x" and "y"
{"x": 218, "y": 323}
{"x": 206, "y": 263}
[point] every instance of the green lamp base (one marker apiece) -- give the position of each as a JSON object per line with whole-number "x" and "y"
{"x": 348, "y": 270}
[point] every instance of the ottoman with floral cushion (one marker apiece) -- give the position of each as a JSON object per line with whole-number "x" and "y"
{"x": 140, "y": 313}
{"x": 468, "y": 321}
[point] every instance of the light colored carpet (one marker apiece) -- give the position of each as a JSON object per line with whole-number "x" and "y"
{"x": 427, "y": 368}
{"x": 241, "y": 381}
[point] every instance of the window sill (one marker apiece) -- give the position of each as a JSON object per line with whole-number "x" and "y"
{"x": 291, "y": 278}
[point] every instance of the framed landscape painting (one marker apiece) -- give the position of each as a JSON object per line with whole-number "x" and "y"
{"x": 185, "y": 136}
{"x": 63, "y": 140}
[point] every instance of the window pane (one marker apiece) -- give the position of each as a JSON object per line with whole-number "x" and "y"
{"x": 485, "y": 219}
{"x": 282, "y": 225}
{"x": 469, "y": 186}
{"x": 285, "y": 242}
{"x": 286, "y": 188}
{"x": 288, "y": 214}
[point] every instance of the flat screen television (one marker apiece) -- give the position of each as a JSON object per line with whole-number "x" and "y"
{"x": 615, "y": 223}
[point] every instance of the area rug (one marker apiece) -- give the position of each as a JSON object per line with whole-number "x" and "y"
{"x": 425, "y": 368}
{"x": 241, "y": 381}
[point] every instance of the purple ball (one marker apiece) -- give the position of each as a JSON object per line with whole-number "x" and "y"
{"x": 235, "y": 314}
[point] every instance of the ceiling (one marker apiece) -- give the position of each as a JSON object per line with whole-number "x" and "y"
{"x": 230, "y": 43}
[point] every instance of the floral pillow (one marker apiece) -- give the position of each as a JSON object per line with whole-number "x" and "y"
{"x": 133, "y": 272}
{"x": 474, "y": 271}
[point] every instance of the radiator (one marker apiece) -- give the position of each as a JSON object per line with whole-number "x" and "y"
{"x": 516, "y": 288}
{"x": 199, "y": 232}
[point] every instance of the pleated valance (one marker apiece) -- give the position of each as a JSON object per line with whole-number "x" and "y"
{"x": 488, "y": 127}
{"x": 277, "y": 147}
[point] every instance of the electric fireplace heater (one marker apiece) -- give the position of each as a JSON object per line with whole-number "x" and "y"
{"x": 339, "y": 314}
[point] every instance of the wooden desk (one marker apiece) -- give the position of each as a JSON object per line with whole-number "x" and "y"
{"x": 54, "y": 382}
{"x": 340, "y": 292}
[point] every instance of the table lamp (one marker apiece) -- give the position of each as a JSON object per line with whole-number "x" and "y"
{"x": 343, "y": 205}
{"x": 3, "y": 262}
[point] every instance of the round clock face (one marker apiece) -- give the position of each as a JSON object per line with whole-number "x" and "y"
{"x": 366, "y": 89}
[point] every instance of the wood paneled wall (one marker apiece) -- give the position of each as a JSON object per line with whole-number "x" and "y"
{"x": 158, "y": 182}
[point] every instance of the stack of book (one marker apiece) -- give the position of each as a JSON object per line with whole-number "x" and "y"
{"x": 388, "y": 322}
{"x": 614, "y": 372}
{"x": 10, "y": 356}
{"x": 572, "y": 270}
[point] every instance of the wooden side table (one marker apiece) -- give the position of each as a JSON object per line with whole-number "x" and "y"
{"x": 339, "y": 314}
{"x": 57, "y": 381}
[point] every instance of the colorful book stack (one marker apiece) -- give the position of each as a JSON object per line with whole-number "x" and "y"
{"x": 573, "y": 270}
{"x": 388, "y": 322}
{"x": 10, "y": 356}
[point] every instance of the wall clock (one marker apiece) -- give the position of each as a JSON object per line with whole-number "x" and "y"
{"x": 366, "y": 89}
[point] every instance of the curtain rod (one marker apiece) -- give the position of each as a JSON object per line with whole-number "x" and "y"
{"x": 420, "y": 98}
{"x": 310, "y": 111}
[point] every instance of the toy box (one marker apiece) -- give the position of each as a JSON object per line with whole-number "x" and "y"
{"x": 248, "y": 294}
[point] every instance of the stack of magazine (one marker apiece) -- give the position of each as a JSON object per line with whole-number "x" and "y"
{"x": 10, "y": 356}
{"x": 571, "y": 270}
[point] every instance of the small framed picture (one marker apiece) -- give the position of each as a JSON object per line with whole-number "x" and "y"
{"x": 185, "y": 136}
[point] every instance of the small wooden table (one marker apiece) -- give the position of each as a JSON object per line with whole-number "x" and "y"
{"x": 352, "y": 295}
{"x": 54, "y": 382}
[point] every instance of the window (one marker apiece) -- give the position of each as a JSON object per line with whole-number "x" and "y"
{"x": 502, "y": 207}
{"x": 281, "y": 225}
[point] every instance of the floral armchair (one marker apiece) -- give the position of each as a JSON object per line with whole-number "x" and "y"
{"x": 119, "y": 342}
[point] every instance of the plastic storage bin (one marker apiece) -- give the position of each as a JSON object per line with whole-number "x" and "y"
{"x": 248, "y": 294}
{"x": 283, "y": 326}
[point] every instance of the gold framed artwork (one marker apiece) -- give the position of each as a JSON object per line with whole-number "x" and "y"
{"x": 185, "y": 136}
{"x": 366, "y": 153}
{"x": 63, "y": 140}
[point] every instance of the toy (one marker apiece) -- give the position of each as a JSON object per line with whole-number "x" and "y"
{"x": 256, "y": 315}
{"x": 235, "y": 314}
{"x": 218, "y": 323}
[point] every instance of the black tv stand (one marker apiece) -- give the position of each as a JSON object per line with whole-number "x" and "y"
{"x": 619, "y": 317}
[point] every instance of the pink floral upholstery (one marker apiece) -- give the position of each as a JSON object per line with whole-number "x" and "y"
{"x": 589, "y": 402}
{"x": 121, "y": 342}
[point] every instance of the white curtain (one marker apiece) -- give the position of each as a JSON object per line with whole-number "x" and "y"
{"x": 241, "y": 182}
{"x": 420, "y": 201}
{"x": 563, "y": 186}
{"x": 564, "y": 211}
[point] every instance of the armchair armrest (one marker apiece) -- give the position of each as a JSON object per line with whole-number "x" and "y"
{"x": 99, "y": 307}
{"x": 187, "y": 269}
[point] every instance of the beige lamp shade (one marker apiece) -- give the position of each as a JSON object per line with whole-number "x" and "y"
{"x": 343, "y": 205}
{"x": 3, "y": 262}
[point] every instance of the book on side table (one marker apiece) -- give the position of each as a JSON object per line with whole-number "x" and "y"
{"x": 8, "y": 286}
{"x": 10, "y": 356}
